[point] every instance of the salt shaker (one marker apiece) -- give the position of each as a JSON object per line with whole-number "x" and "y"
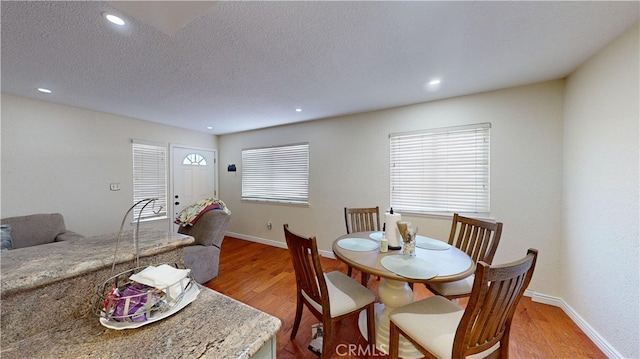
{"x": 384, "y": 244}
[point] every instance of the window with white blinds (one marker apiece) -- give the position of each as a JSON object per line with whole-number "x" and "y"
{"x": 276, "y": 174}
{"x": 441, "y": 171}
{"x": 149, "y": 179}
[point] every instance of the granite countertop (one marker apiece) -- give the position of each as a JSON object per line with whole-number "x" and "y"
{"x": 28, "y": 268}
{"x": 213, "y": 326}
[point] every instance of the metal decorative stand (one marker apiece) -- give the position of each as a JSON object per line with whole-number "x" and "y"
{"x": 123, "y": 303}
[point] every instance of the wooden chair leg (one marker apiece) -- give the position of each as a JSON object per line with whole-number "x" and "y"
{"x": 364, "y": 279}
{"x": 296, "y": 322}
{"x": 394, "y": 341}
{"x": 327, "y": 333}
{"x": 349, "y": 270}
{"x": 371, "y": 328}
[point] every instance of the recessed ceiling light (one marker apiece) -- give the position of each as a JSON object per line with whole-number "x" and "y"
{"x": 209, "y": 128}
{"x": 113, "y": 19}
{"x": 44, "y": 90}
{"x": 432, "y": 85}
{"x": 298, "y": 110}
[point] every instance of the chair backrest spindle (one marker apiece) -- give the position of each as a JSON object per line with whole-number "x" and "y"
{"x": 492, "y": 304}
{"x": 306, "y": 264}
{"x": 362, "y": 219}
{"x": 478, "y": 239}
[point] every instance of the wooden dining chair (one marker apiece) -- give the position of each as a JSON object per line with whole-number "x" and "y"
{"x": 479, "y": 240}
{"x": 439, "y": 328}
{"x": 328, "y": 296}
{"x": 361, "y": 220}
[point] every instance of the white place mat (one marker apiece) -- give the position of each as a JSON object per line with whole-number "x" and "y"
{"x": 409, "y": 267}
{"x": 430, "y": 243}
{"x": 357, "y": 244}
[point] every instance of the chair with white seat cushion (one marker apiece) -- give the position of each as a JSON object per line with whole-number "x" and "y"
{"x": 328, "y": 296}
{"x": 439, "y": 328}
{"x": 361, "y": 220}
{"x": 479, "y": 239}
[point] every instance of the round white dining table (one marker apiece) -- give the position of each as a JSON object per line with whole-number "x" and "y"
{"x": 361, "y": 251}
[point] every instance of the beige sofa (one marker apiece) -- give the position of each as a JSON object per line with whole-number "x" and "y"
{"x": 36, "y": 229}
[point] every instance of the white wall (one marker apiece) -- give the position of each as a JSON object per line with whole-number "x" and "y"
{"x": 600, "y": 205}
{"x": 349, "y": 164}
{"x": 62, "y": 159}
{"x": 564, "y": 168}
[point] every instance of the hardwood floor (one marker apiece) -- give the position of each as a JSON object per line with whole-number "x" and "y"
{"x": 262, "y": 276}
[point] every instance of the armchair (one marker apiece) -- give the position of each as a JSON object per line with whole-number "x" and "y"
{"x": 203, "y": 257}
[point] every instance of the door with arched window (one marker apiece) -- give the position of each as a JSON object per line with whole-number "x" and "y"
{"x": 194, "y": 177}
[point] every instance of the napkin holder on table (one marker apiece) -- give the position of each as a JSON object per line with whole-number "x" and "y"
{"x": 408, "y": 235}
{"x": 402, "y": 229}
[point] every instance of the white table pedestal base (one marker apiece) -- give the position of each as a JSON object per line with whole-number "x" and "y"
{"x": 393, "y": 294}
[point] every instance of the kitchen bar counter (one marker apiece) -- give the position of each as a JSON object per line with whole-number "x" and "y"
{"x": 33, "y": 267}
{"x": 47, "y": 293}
{"x": 213, "y": 326}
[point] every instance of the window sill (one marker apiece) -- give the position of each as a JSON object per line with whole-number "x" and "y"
{"x": 150, "y": 219}
{"x": 284, "y": 203}
{"x": 448, "y": 215}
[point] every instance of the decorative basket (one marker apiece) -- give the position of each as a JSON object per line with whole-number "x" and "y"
{"x": 133, "y": 298}
{"x": 122, "y": 299}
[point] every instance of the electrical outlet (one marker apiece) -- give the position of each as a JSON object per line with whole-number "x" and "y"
{"x": 114, "y": 186}
{"x": 269, "y": 226}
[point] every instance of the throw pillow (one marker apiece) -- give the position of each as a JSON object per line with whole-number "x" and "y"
{"x": 5, "y": 239}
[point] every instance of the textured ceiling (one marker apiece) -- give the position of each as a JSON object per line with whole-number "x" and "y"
{"x": 238, "y": 66}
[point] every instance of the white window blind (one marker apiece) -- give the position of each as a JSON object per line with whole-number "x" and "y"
{"x": 149, "y": 179}
{"x": 441, "y": 170}
{"x": 277, "y": 174}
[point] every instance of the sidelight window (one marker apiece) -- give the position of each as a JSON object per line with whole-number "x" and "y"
{"x": 150, "y": 178}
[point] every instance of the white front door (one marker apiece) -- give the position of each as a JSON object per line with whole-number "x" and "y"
{"x": 194, "y": 177}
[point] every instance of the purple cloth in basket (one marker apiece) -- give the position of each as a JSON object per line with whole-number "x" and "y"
{"x": 137, "y": 300}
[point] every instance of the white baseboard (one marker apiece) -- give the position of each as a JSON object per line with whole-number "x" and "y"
{"x": 327, "y": 254}
{"x": 589, "y": 331}
{"x": 597, "y": 339}
{"x": 269, "y": 242}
